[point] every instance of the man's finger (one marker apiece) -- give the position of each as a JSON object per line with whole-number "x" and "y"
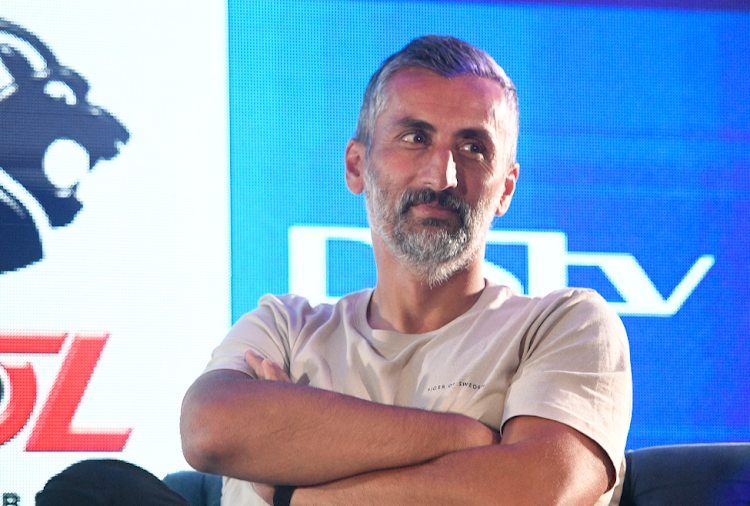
{"x": 264, "y": 491}
{"x": 283, "y": 376}
{"x": 272, "y": 371}
{"x": 256, "y": 362}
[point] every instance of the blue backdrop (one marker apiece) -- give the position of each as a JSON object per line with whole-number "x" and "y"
{"x": 635, "y": 139}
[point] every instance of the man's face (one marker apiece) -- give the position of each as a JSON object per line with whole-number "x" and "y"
{"x": 435, "y": 173}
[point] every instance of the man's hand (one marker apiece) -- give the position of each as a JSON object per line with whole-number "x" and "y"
{"x": 265, "y": 368}
{"x": 265, "y": 491}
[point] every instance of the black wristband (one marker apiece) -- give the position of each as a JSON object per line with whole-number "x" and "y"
{"x": 282, "y": 496}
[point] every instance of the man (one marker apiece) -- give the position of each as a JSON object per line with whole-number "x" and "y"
{"x": 435, "y": 387}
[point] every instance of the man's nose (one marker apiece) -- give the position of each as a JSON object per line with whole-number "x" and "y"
{"x": 440, "y": 174}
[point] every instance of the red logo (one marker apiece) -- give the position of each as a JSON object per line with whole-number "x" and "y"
{"x": 53, "y": 430}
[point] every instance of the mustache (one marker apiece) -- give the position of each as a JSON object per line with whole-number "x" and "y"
{"x": 426, "y": 196}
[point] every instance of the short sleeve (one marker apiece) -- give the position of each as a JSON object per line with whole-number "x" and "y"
{"x": 575, "y": 369}
{"x": 268, "y": 331}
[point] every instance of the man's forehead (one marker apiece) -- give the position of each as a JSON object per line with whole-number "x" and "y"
{"x": 417, "y": 96}
{"x": 418, "y": 77}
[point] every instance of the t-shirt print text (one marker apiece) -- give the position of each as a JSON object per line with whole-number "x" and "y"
{"x": 461, "y": 384}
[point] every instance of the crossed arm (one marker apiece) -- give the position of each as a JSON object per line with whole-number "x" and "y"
{"x": 343, "y": 450}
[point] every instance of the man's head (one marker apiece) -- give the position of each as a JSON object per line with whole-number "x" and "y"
{"x": 435, "y": 154}
{"x": 447, "y": 57}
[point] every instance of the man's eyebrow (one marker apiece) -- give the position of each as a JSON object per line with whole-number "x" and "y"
{"x": 477, "y": 133}
{"x": 414, "y": 123}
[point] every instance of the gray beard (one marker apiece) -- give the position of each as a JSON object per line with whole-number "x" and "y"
{"x": 436, "y": 251}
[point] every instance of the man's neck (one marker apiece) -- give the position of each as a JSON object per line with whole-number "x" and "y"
{"x": 403, "y": 303}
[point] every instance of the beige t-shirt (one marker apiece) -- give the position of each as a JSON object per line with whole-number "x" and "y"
{"x": 563, "y": 357}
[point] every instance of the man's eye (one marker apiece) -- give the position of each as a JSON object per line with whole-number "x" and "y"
{"x": 473, "y": 148}
{"x": 414, "y": 138}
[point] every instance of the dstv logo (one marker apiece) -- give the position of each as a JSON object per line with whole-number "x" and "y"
{"x": 548, "y": 262}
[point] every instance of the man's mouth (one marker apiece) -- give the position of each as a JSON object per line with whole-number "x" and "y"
{"x": 428, "y": 197}
{"x": 431, "y": 205}
{"x": 434, "y": 210}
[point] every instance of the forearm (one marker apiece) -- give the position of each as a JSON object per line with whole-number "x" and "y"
{"x": 274, "y": 432}
{"x": 448, "y": 480}
{"x": 550, "y": 470}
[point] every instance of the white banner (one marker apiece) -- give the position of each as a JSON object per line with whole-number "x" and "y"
{"x": 101, "y": 336}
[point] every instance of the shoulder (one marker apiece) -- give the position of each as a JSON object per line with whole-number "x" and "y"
{"x": 579, "y": 302}
{"x": 551, "y": 301}
{"x": 277, "y": 327}
{"x": 581, "y": 312}
{"x": 296, "y": 312}
{"x": 564, "y": 316}
{"x": 578, "y": 325}
{"x": 583, "y": 307}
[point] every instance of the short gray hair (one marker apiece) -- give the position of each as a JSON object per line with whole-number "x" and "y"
{"x": 447, "y": 57}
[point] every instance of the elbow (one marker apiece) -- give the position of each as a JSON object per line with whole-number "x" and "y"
{"x": 198, "y": 455}
{"x": 204, "y": 428}
{"x": 214, "y": 440}
{"x": 200, "y": 445}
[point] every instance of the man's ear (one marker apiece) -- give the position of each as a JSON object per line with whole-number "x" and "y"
{"x": 355, "y": 166}
{"x": 510, "y": 186}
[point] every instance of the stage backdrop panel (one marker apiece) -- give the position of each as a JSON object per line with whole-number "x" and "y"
{"x": 114, "y": 282}
{"x": 634, "y": 152}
